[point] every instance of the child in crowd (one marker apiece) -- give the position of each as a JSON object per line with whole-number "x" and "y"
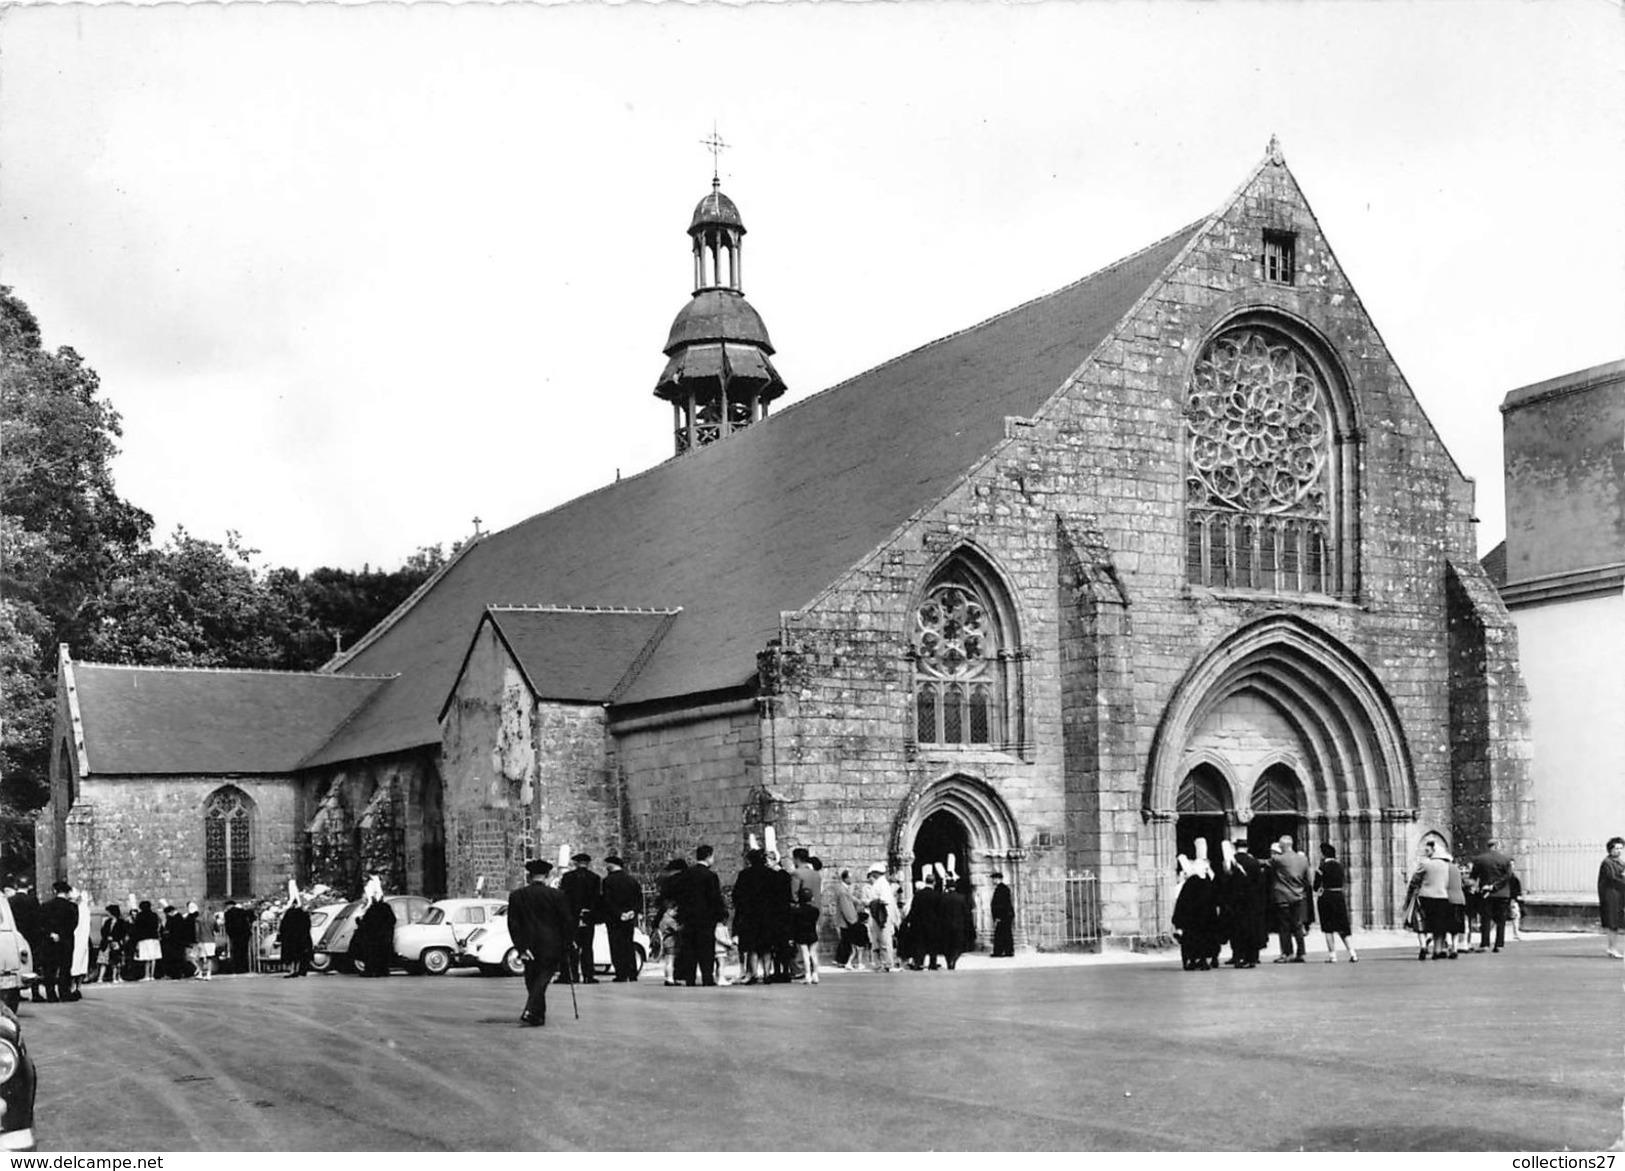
{"x": 804, "y": 924}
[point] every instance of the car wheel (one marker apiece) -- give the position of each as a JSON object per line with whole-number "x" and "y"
{"x": 512, "y": 964}
{"x": 436, "y": 961}
{"x": 493, "y": 970}
{"x": 12, "y": 998}
{"x": 641, "y": 955}
{"x": 322, "y": 961}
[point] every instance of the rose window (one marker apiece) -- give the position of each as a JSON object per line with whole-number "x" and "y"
{"x": 1257, "y": 428}
{"x": 951, "y": 632}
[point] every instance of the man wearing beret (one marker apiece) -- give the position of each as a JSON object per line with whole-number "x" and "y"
{"x": 582, "y": 888}
{"x": 622, "y": 904}
{"x": 540, "y": 924}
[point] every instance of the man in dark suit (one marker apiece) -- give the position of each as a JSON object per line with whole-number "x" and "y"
{"x": 1493, "y": 872}
{"x": 57, "y": 919}
{"x": 1004, "y": 918}
{"x": 25, "y": 910}
{"x": 582, "y": 889}
{"x": 622, "y": 904}
{"x": 700, "y": 908}
{"x": 540, "y": 924}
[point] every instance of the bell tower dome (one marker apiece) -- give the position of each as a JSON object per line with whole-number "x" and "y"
{"x": 719, "y": 375}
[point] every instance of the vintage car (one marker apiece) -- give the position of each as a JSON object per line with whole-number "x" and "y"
{"x": 16, "y": 1086}
{"x": 333, "y": 949}
{"x": 16, "y": 964}
{"x": 435, "y": 942}
{"x": 492, "y": 949}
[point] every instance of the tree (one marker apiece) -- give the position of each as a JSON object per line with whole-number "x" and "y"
{"x": 347, "y": 603}
{"x": 198, "y": 603}
{"x": 64, "y": 532}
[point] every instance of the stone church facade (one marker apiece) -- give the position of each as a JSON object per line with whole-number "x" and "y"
{"x": 1170, "y": 553}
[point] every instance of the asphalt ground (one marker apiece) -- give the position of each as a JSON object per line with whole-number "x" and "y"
{"x": 1524, "y": 1050}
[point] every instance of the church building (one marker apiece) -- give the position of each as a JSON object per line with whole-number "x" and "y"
{"x": 1169, "y": 553}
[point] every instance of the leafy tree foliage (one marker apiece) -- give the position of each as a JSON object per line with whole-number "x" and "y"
{"x": 77, "y": 566}
{"x": 64, "y": 531}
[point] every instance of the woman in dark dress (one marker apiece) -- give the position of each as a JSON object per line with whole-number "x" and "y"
{"x": 753, "y": 889}
{"x": 374, "y": 942}
{"x": 1196, "y": 916}
{"x": 1331, "y": 884}
{"x": 176, "y": 938}
{"x": 1611, "y": 895}
{"x": 144, "y": 929}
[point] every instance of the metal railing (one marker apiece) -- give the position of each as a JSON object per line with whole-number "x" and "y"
{"x": 1562, "y": 870}
{"x": 1061, "y": 912}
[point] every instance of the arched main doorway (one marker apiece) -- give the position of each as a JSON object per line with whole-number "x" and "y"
{"x": 1285, "y": 702}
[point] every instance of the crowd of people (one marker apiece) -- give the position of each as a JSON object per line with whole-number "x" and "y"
{"x": 1446, "y": 903}
{"x": 773, "y": 924}
{"x": 1244, "y": 898}
{"x": 1449, "y": 900}
{"x": 138, "y": 942}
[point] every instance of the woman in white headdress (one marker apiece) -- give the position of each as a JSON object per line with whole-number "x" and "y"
{"x": 80, "y": 965}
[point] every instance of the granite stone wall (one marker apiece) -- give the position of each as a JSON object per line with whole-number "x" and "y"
{"x": 144, "y": 836}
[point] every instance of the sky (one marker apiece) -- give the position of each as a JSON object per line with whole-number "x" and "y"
{"x": 355, "y": 275}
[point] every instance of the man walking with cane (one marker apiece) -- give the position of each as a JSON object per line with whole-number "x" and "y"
{"x": 540, "y": 924}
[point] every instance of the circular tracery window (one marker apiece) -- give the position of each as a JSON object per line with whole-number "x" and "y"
{"x": 952, "y": 632}
{"x": 1256, "y": 424}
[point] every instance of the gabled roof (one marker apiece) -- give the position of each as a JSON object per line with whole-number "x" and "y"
{"x": 740, "y": 531}
{"x": 576, "y": 654}
{"x": 174, "y": 720}
{"x": 1494, "y": 564}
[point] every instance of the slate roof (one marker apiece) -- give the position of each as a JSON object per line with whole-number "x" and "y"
{"x": 1494, "y": 564}
{"x": 180, "y": 721}
{"x": 578, "y": 655}
{"x": 739, "y": 531}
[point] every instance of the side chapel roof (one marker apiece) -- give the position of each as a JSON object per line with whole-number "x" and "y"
{"x": 737, "y": 533}
{"x": 174, "y": 720}
{"x": 583, "y": 655}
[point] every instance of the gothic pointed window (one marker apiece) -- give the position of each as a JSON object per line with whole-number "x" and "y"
{"x": 228, "y": 835}
{"x": 965, "y": 690}
{"x": 1262, "y": 432}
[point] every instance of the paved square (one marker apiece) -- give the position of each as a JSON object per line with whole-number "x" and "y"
{"x": 1522, "y": 1050}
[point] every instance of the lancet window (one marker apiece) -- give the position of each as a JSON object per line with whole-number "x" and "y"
{"x": 228, "y": 835}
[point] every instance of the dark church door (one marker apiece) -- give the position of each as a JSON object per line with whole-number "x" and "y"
{"x": 942, "y": 834}
{"x": 1201, "y": 809}
{"x": 1278, "y": 809}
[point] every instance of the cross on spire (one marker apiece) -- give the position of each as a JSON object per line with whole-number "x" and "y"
{"x": 717, "y": 146}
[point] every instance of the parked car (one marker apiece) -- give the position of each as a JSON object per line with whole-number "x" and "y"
{"x": 16, "y": 1085}
{"x": 16, "y": 964}
{"x": 435, "y": 942}
{"x": 492, "y": 948}
{"x": 333, "y": 949}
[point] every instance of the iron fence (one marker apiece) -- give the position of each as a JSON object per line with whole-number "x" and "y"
{"x": 1061, "y": 911}
{"x": 1560, "y": 870}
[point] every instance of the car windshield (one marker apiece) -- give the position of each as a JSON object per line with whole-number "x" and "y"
{"x": 432, "y": 916}
{"x": 500, "y": 911}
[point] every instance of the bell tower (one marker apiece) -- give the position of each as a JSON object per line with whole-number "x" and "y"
{"x": 719, "y": 375}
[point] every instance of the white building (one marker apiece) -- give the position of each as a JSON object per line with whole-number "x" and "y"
{"x": 1561, "y": 572}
